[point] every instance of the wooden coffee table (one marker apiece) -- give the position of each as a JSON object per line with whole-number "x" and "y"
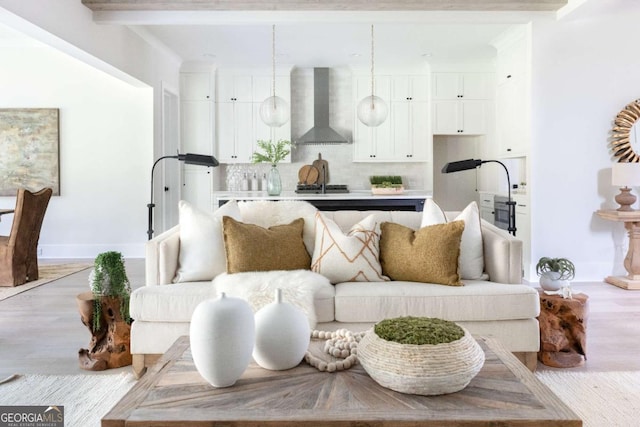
{"x": 172, "y": 393}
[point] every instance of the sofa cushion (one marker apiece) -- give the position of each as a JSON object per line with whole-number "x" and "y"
{"x": 176, "y": 302}
{"x": 428, "y": 255}
{"x": 266, "y": 213}
{"x": 250, "y": 247}
{"x": 353, "y": 257}
{"x": 169, "y": 303}
{"x": 476, "y": 301}
{"x": 201, "y": 255}
{"x": 471, "y": 262}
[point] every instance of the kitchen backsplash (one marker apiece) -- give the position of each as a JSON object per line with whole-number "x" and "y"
{"x": 342, "y": 170}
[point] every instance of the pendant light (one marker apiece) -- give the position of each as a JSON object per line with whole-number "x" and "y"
{"x": 274, "y": 111}
{"x": 372, "y": 110}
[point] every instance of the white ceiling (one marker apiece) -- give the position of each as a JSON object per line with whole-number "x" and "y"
{"x": 329, "y": 33}
{"x": 319, "y": 38}
{"x": 329, "y": 44}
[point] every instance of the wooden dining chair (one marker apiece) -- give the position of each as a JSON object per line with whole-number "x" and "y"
{"x": 19, "y": 250}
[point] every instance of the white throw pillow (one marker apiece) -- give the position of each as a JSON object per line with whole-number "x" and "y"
{"x": 348, "y": 258}
{"x": 266, "y": 213}
{"x": 202, "y": 255}
{"x": 471, "y": 261}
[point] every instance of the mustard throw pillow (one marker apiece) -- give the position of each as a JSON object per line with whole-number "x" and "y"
{"x": 428, "y": 255}
{"x": 250, "y": 247}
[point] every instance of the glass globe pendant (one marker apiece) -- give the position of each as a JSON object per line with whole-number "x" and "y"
{"x": 274, "y": 111}
{"x": 372, "y": 110}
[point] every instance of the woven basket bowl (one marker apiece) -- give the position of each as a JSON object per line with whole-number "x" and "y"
{"x": 421, "y": 369}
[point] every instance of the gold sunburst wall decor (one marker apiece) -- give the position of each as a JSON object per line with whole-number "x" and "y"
{"x": 624, "y": 133}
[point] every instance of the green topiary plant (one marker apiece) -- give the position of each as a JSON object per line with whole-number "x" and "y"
{"x": 273, "y": 152}
{"x": 418, "y": 330}
{"x": 109, "y": 279}
{"x": 563, "y": 266}
{"x": 386, "y": 181}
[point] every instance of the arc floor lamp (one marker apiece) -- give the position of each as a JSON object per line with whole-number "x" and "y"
{"x": 463, "y": 165}
{"x": 189, "y": 159}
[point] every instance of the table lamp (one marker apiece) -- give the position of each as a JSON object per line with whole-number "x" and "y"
{"x": 625, "y": 175}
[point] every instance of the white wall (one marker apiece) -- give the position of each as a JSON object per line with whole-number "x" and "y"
{"x": 106, "y": 133}
{"x": 585, "y": 69}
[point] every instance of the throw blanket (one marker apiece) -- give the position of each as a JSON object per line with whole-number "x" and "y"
{"x": 259, "y": 288}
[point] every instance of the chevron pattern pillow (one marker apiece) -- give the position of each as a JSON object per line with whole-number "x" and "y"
{"x": 353, "y": 257}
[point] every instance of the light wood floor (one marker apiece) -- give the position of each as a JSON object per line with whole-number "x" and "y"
{"x": 41, "y": 332}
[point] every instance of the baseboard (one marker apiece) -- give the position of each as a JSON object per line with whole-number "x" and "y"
{"x": 128, "y": 250}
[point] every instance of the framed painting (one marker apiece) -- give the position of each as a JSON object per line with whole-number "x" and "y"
{"x": 29, "y": 149}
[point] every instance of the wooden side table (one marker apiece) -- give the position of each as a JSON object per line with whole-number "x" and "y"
{"x": 631, "y": 221}
{"x": 563, "y": 330}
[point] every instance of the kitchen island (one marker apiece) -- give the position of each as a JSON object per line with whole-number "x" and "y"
{"x": 412, "y": 200}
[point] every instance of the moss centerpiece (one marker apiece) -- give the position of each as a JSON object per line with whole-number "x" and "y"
{"x": 420, "y": 355}
{"x": 386, "y": 185}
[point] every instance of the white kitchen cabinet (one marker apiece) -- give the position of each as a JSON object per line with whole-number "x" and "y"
{"x": 197, "y": 127}
{"x": 487, "y": 211}
{"x": 412, "y": 141}
{"x": 197, "y": 121}
{"x": 196, "y": 86}
{"x": 513, "y": 110}
{"x": 410, "y": 88}
{"x": 450, "y": 86}
{"x": 235, "y": 132}
{"x": 468, "y": 117}
{"x": 234, "y": 88}
{"x": 405, "y": 136}
{"x": 197, "y": 186}
{"x": 372, "y": 144}
{"x": 240, "y": 95}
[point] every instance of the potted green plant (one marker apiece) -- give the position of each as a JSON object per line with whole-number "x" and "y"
{"x": 386, "y": 184}
{"x": 109, "y": 279}
{"x": 555, "y": 272}
{"x": 273, "y": 153}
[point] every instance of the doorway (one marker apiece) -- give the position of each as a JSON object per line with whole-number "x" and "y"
{"x": 454, "y": 191}
{"x": 170, "y": 174}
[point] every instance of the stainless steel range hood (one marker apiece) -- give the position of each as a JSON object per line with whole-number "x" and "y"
{"x": 321, "y": 132}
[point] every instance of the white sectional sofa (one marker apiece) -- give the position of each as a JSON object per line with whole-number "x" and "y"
{"x": 500, "y": 306}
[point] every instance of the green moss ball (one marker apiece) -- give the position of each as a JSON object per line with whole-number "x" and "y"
{"x": 418, "y": 330}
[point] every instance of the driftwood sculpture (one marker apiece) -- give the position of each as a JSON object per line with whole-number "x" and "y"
{"x": 563, "y": 335}
{"x": 110, "y": 344}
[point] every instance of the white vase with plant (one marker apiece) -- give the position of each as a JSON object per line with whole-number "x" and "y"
{"x": 272, "y": 153}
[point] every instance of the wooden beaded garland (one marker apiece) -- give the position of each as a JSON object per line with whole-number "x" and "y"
{"x": 341, "y": 344}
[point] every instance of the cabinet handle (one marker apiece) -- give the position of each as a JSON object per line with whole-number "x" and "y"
{"x": 508, "y": 149}
{"x": 508, "y": 76}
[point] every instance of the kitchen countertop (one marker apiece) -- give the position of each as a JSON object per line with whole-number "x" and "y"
{"x": 288, "y": 195}
{"x": 355, "y": 200}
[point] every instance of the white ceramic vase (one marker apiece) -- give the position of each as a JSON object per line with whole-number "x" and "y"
{"x": 282, "y": 335}
{"x": 222, "y": 335}
{"x": 549, "y": 281}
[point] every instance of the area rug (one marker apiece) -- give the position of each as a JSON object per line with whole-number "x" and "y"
{"x": 86, "y": 398}
{"x": 598, "y": 398}
{"x": 47, "y": 273}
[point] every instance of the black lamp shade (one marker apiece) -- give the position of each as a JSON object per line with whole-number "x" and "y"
{"x": 461, "y": 165}
{"x": 198, "y": 159}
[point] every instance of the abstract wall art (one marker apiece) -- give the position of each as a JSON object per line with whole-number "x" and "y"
{"x": 29, "y": 149}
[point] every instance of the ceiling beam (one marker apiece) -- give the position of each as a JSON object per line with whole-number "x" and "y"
{"x": 327, "y": 5}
